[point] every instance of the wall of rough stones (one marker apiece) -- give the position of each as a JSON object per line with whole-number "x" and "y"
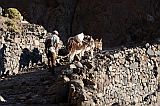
{"x": 19, "y": 51}
{"x": 120, "y": 77}
{"x": 116, "y": 78}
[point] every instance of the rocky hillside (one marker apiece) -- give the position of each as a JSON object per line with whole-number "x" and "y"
{"x": 124, "y": 76}
{"x": 127, "y": 76}
{"x": 118, "y": 77}
{"x": 35, "y": 86}
{"x": 117, "y": 22}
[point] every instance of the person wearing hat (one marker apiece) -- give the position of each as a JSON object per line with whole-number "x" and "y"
{"x": 52, "y": 43}
{"x": 55, "y": 40}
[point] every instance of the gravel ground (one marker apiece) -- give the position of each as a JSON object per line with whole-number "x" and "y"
{"x": 36, "y": 86}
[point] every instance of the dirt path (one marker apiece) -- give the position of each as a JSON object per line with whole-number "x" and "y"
{"x": 33, "y": 87}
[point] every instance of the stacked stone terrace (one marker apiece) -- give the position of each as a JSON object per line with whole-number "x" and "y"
{"x": 124, "y": 77}
{"x": 16, "y": 49}
{"x": 118, "y": 78}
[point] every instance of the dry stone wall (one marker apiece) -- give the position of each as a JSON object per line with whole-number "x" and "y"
{"x": 124, "y": 77}
{"x": 19, "y": 51}
{"x": 117, "y": 78}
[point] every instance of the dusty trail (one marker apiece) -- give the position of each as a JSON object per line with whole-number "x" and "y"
{"x": 37, "y": 86}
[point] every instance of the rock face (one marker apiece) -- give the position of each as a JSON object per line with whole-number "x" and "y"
{"x": 128, "y": 76}
{"x": 124, "y": 77}
{"x": 117, "y": 22}
{"x": 21, "y": 51}
{"x": 36, "y": 87}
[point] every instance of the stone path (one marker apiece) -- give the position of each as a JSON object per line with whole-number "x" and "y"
{"x": 34, "y": 87}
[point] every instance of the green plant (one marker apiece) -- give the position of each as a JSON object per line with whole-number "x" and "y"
{"x": 13, "y": 13}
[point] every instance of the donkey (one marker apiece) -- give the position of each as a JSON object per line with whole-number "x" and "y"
{"x": 90, "y": 45}
{"x": 74, "y": 47}
{"x": 98, "y": 44}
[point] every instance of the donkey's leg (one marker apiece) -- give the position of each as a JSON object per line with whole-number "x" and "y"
{"x": 92, "y": 53}
{"x": 71, "y": 57}
{"x": 82, "y": 53}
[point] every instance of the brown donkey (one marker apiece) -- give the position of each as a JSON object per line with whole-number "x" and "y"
{"x": 74, "y": 47}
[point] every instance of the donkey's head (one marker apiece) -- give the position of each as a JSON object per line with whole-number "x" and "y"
{"x": 98, "y": 44}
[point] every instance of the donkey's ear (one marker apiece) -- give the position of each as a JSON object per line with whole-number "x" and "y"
{"x": 100, "y": 40}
